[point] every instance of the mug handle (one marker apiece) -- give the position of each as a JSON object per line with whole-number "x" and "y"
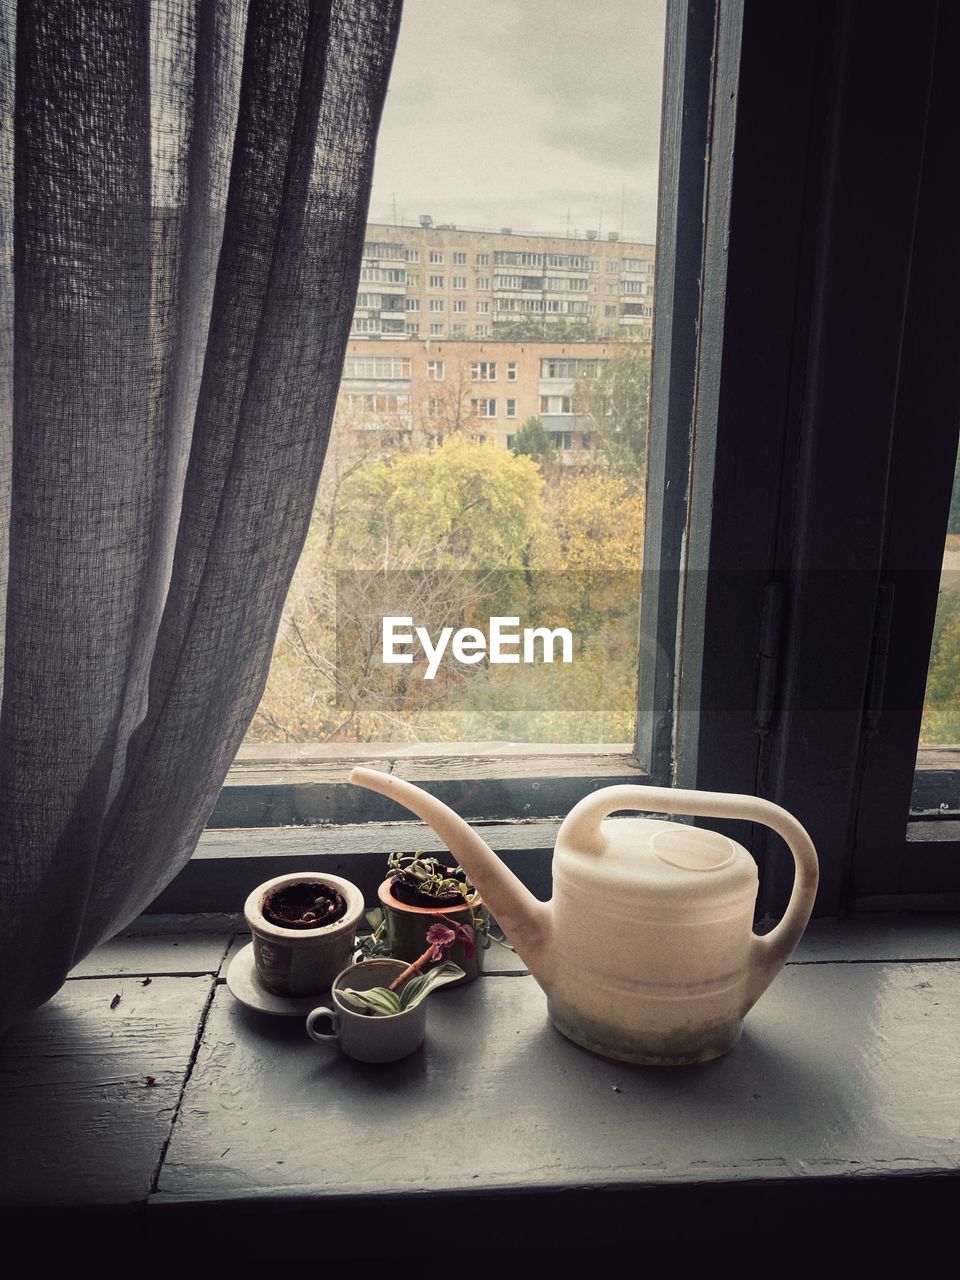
{"x": 314, "y": 1016}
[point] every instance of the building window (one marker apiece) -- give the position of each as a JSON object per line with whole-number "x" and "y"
{"x": 555, "y": 404}
{"x": 436, "y": 304}
{"x": 459, "y": 259}
{"x": 511, "y": 370}
{"x": 459, "y": 282}
{"x": 385, "y": 368}
{"x": 413, "y": 255}
{"x": 434, "y": 370}
{"x": 411, "y": 304}
{"x": 412, "y": 327}
{"x": 481, "y": 330}
{"x": 562, "y": 439}
{"x": 482, "y": 260}
{"x": 436, "y": 282}
{"x": 483, "y": 307}
{"x": 436, "y": 331}
{"x": 484, "y": 371}
{"x": 482, "y": 282}
{"x": 460, "y": 304}
{"x": 609, "y": 311}
{"x": 484, "y": 408}
{"x": 613, "y": 264}
{"x": 413, "y": 282}
{"x": 511, "y": 408}
{"x": 436, "y": 255}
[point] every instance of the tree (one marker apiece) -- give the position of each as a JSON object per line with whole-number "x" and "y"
{"x": 616, "y": 405}
{"x": 533, "y": 440}
{"x": 432, "y": 523}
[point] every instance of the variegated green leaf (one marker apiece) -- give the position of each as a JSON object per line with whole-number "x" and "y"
{"x": 417, "y": 988}
{"x": 380, "y": 999}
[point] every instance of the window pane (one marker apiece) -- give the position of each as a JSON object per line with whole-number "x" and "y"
{"x": 941, "y": 708}
{"x": 443, "y": 500}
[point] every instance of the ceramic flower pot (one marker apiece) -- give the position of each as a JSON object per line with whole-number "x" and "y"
{"x": 381, "y": 1038}
{"x": 302, "y": 961}
{"x": 407, "y": 929}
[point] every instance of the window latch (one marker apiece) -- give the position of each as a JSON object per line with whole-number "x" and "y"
{"x": 771, "y": 629}
{"x": 873, "y": 703}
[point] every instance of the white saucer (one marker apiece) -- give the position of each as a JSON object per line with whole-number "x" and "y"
{"x": 244, "y": 984}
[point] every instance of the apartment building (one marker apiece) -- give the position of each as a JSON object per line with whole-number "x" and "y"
{"x": 455, "y": 283}
{"x": 429, "y": 388}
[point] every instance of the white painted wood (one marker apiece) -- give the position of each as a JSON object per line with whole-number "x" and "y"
{"x": 844, "y": 1069}
{"x": 80, "y": 1120}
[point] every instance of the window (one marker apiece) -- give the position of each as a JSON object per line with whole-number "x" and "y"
{"x": 482, "y": 260}
{"x": 435, "y": 370}
{"x": 483, "y": 307}
{"x": 771, "y": 487}
{"x": 484, "y": 408}
{"x": 389, "y": 369}
{"x": 411, "y": 304}
{"x": 460, "y": 304}
{"x": 436, "y": 282}
{"x": 481, "y": 330}
{"x": 413, "y": 281}
{"x": 482, "y": 282}
{"x": 412, "y": 327}
{"x": 436, "y": 256}
{"x": 511, "y": 370}
{"x": 460, "y": 260}
{"x": 511, "y": 408}
{"x": 413, "y": 255}
{"x": 436, "y": 330}
{"x": 459, "y": 282}
{"x": 436, "y": 304}
{"x": 484, "y": 371}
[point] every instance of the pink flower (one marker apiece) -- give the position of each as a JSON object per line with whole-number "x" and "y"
{"x": 458, "y": 933}
{"x": 441, "y": 939}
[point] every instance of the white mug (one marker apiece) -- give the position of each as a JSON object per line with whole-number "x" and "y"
{"x": 369, "y": 1037}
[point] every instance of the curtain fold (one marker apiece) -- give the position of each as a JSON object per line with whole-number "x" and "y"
{"x": 183, "y": 194}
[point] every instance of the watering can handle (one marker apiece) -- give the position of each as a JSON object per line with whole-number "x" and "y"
{"x": 770, "y": 952}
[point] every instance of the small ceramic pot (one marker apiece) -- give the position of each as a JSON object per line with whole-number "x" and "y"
{"x": 363, "y": 1036}
{"x": 302, "y": 962}
{"x": 407, "y": 929}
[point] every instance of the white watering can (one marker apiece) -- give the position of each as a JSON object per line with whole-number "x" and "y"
{"x": 646, "y": 951}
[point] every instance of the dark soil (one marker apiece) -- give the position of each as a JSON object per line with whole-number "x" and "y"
{"x": 405, "y": 889}
{"x": 307, "y": 905}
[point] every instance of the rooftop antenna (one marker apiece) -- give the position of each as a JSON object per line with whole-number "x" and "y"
{"x": 600, "y": 223}
{"x": 394, "y": 208}
{"x": 568, "y": 224}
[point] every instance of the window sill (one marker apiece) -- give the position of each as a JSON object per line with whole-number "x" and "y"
{"x": 839, "y": 1103}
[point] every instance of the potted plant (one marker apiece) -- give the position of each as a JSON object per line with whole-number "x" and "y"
{"x": 378, "y": 1012}
{"x": 304, "y": 929}
{"x": 421, "y": 891}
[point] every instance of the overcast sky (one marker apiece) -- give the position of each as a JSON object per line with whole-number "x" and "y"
{"x": 518, "y": 113}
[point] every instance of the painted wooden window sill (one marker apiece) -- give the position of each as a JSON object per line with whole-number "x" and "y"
{"x": 185, "y": 1109}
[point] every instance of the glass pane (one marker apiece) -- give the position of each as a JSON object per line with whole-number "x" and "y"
{"x": 941, "y": 708}
{"x": 488, "y": 454}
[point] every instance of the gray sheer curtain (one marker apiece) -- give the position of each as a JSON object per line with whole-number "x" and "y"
{"x": 183, "y": 191}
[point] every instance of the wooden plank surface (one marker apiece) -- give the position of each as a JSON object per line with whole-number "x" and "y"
{"x": 847, "y": 1069}
{"x": 82, "y": 1123}
{"x": 163, "y": 954}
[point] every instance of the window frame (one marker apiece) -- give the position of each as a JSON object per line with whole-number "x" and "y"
{"x": 745, "y": 264}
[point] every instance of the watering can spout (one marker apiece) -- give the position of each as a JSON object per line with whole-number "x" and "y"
{"x": 525, "y": 921}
